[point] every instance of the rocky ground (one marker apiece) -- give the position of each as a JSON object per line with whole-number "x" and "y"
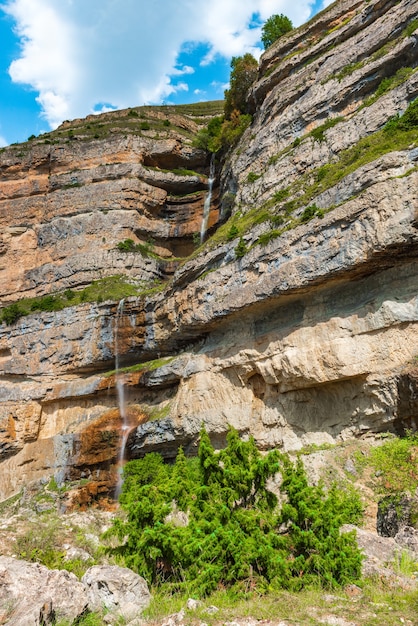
{"x": 34, "y": 526}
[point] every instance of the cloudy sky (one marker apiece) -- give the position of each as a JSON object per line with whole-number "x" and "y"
{"x": 62, "y": 59}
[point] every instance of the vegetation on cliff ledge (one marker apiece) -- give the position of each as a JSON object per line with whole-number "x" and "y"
{"x": 293, "y": 205}
{"x": 110, "y": 288}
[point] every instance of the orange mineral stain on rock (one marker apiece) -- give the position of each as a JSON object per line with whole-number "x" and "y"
{"x": 95, "y": 458}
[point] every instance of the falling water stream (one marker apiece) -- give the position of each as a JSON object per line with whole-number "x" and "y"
{"x": 120, "y": 390}
{"x": 208, "y": 199}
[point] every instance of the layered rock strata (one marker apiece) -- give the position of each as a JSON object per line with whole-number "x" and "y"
{"x": 304, "y": 334}
{"x": 68, "y": 206}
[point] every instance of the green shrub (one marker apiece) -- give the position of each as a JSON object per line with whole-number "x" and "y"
{"x": 211, "y": 136}
{"x": 390, "y": 82}
{"x": 310, "y": 212}
{"x": 408, "y": 121}
{"x": 234, "y": 128}
{"x": 127, "y": 245}
{"x": 47, "y": 303}
{"x": 349, "y": 69}
{"x": 265, "y": 238}
{"x": 11, "y": 313}
{"x": 241, "y": 248}
{"x": 319, "y": 133}
{"x": 277, "y": 220}
{"x": 69, "y": 294}
{"x": 232, "y": 233}
{"x": 232, "y": 532}
{"x": 289, "y": 207}
{"x": 252, "y": 177}
{"x": 222, "y": 134}
{"x": 144, "y": 126}
{"x": 281, "y": 194}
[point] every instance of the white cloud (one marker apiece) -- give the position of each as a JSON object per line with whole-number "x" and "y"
{"x": 48, "y": 59}
{"x": 76, "y": 54}
{"x": 3, "y": 142}
{"x": 179, "y": 71}
{"x": 102, "y": 108}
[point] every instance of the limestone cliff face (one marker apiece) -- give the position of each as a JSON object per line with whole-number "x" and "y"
{"x": 309, "y": 335}
{"x": 68, "y": 205}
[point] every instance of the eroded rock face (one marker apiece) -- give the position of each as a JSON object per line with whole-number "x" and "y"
{"x": 67, "y": 207}
{"x": 309, "y": 338}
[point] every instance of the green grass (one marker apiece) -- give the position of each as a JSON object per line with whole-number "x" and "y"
{"x": 89, "y": 619}
{"x": 42, "y": 543}
{"x": 395, "y": 464}
{"x": 135, "y": 121}
{"x": 111, "y": 288}
{"x": 404, "y": 564}
{"x": 10, "y": 503}
{"x": 412, "y": 26}
{"x": 348, "y": 69}
{"x": 318, "y": 133}
{"x": 389, "y": 83}
{"x": 177, "y": 171}
{"x": 148, "y": 366}
{"x": 397, "y": 135}
{"x": 375, "y": 606}
{"x": 160, "y": 413}
{"x": 146, "y": 249}
{"x": 252, "y": 177}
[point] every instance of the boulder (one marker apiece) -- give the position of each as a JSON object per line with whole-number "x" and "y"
{"x": 117, "y": 589}
{"x": 31, "y": 594}
{"x": 407, "y": 538}
{"x": 380, "y": 556}
{"x": 394, "y": 513}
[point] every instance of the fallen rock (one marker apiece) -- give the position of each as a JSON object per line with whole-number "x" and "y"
{"x": 31, "y": 594}
{"x": 407, "y": 538}
{"x": 379, "y": 553}
{"x": 117, "y": 589}
{"x": 193, "y": 604}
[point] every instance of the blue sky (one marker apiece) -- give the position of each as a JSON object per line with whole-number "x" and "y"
{"x": 62, "y": 59}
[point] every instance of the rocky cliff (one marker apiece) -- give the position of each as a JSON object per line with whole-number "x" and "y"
{"x": 296, "y": 318}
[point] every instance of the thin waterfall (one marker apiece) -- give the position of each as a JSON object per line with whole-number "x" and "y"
{"x": 120, "y": 390}
{"x": 208, "y": 199}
